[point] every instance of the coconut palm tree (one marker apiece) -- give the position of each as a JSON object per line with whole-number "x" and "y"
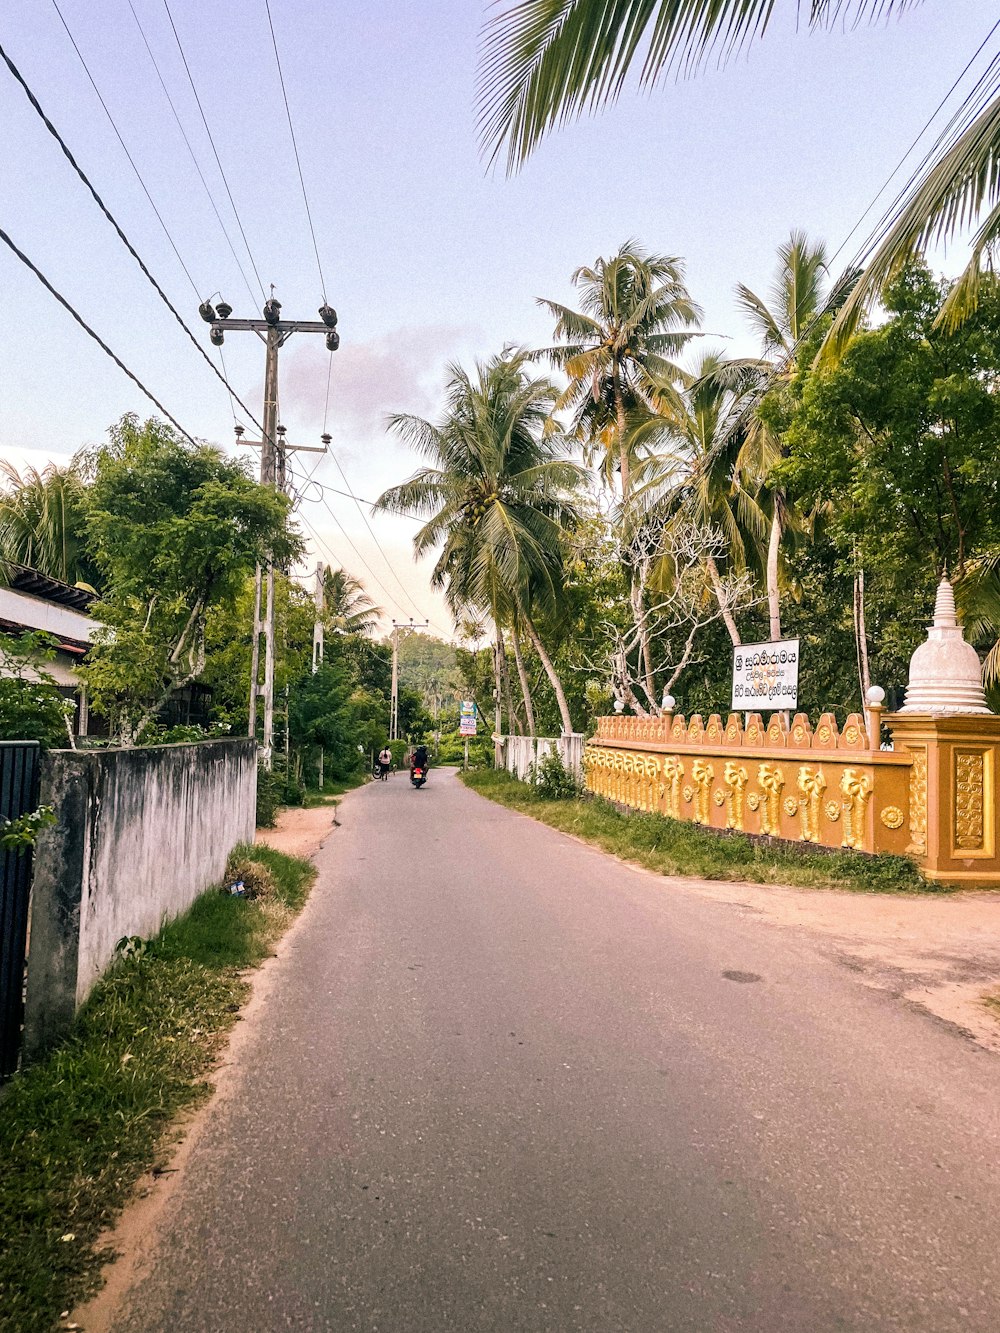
{"x": 800, "y": 295}
{"x": 617, "y": 350}
{"x": 544, "y": 62}
{"x": 694, "y": 472}
{"x": 346, "y": 605}
{"x": 496, "y": 492}
{"x": 43, "y": 522}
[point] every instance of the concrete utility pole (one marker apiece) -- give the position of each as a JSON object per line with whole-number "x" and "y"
{"x": 394, "y": 712}
{"x": 318, "y": 622}
{"x": 274, "y": 332}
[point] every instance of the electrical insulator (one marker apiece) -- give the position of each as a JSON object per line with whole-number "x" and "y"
{"x": 207, "y": 312}
{"x": 224, "y": 309}
{"x": 216, "y": 335}
{"x": 332, "y": 341}
{"x": 328, "y": 315}
{"x": 272, "y": 310}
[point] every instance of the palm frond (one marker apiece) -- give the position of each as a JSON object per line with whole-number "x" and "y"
{"x": 545, "y": 62}
{"x": 949, "y": 197}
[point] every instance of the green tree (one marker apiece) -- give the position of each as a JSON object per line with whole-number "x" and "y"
{"x": 898, "y": 444}
{"x": 618, "y": 349}
{"x": 31, "y": 706}
{"x": 347, "y": 607}
{"x": 694, "y": 475}
{"x": 174, "y": 530}
{"x": 42, "y": 522}
{"x": 544, "y": 62}
{"x": 497, "y": 493}
{"x": 799, "y": 297}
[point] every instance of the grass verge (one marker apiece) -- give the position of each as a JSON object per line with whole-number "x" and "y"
{"x": 672, "y": 847}
{"x": 79, "y": 1128}
{"x": 332, "y": 791}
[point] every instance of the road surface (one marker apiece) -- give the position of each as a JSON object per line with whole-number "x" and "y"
{"x": 503, "y": 1082}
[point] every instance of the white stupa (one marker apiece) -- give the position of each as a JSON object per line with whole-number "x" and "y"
{"x": 945, "y": 675}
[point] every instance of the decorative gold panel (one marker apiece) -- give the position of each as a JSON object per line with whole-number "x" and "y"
{"x": 855, "y": 788}
{"x": 812, "y": 784}
{"x": 970, "y": 801}
{"x": 772, "y": 780}
{"x": 918, "y": 802}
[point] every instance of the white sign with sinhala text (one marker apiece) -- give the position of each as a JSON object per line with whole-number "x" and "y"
{"x": 766, "y": 675}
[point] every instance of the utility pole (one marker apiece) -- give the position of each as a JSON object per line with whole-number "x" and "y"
{"x": 394, "y": 711}
{"x": 274, "y": 332}
{"x": 318, "y": 622}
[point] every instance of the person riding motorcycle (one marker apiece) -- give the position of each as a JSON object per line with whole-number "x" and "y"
{"x": 418, "y": 758}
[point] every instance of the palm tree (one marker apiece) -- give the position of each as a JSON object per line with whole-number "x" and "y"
{"x": 496, "y": 492}
{"x": 799, "y": 296}
{"x": 636, "y": 315}
{"x": 346, "y": 605}
{"x": 43, "y": 521}
{"x": 698, "y": 478}
{"x": 545, "y": 62}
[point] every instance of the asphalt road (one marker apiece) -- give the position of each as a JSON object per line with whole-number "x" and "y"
{"x": 505, "y": 1083}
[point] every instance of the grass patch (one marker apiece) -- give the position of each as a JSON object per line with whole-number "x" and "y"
{"x": 80, "y": 1127}
{"x": 672, "y": 847}
{"x": 331, "y": 791}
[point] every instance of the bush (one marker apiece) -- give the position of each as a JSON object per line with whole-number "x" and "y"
{"x": 270, "y": 789}
{"x": 551, "y": 779}
{"x": 451, "y": 750}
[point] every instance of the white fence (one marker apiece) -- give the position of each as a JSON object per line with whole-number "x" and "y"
{"x": 520, "y": 752}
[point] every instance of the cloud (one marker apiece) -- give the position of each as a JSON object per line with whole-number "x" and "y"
{"x": 401, "y": 372}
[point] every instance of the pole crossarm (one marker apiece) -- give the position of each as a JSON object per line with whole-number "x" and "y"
{"x": 284, "y": 327}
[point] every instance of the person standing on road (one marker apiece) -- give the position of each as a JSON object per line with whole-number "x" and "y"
{"x": 384, "y": 763}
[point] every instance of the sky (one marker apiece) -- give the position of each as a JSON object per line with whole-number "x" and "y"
{"x": 428, "y": 258}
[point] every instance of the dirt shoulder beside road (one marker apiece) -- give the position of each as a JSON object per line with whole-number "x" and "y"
{"x": 300, "y": 832}
{"x": 942, "y": 953}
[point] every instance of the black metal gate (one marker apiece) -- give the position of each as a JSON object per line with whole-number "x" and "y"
{"x": 18, "y": 795}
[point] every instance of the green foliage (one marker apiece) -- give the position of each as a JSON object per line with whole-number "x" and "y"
{"x": 31, "y": 706}
{"x": 21, "y": 833}
{"x": 42, "y": 521}
{"x": 173, "y": 530}
{"x": 427, "y": 666}
{"x": 551, "y": 779}
{"x": 81, "y": 1126}
{"x": 270, "y": 790}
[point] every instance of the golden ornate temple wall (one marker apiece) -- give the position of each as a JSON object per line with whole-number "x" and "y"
{"x": 932, "y": 797}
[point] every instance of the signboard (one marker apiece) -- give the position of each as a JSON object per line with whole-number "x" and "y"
{"x": 766, "y": 676}
{"x": 468, "y": 708}
{"x": 467, "y": 720}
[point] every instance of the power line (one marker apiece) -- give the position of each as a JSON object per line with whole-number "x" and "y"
{"x": 920, "y": 134}
{"x": 295, "y": 149}
{"x": 980, "y": 91}
{"x": 96, "y": 337}
{"x": 349, "y": 495}
{"x": 138, "y": 174}
{"x": 218, "y": 162}
{"x": 121, "y": 235}
{"x": 364, "y": 519}
{"x": 194, "y": 159}
{"x": 392, "y": 598}
{"x": 322, "y": 487}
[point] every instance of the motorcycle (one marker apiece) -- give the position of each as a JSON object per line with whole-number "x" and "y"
{"x": 418, "y": 776}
